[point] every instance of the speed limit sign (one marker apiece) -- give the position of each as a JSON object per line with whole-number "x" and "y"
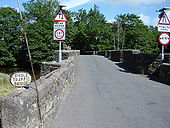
{"x": 59, "y": 34}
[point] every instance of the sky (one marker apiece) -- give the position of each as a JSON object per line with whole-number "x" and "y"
{"x": 146, "y": 9}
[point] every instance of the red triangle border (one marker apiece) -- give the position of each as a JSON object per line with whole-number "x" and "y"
{"x": 63, "y": 14}
{"x": 161, "y": 19}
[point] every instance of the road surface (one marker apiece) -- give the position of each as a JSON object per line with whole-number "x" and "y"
{"x": 107, "y": 96}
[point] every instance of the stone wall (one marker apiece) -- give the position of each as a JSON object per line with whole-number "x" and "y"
{"x": 164, "y": 75}
{"x": 101, "y": 53}
{"x": 116, "y": 55}
{"x": 19, "y": 109}
{"x": 142, "y": 63}
{"x": 47, "y": 67}
{"x": 66, "y": 54}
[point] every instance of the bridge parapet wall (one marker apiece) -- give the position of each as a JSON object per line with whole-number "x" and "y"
{"x": 144, "y": 63}
{"x": 66, "y": 54}
{"x": 47, "y": 67}
{"x": 139, "y": 62}
{"x": 164, "y": 74}
{"x": 19, "y": 109}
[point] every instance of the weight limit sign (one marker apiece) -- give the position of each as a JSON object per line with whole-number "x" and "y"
{"x": 164, "y": 38}
{"x": 59, "y": 34}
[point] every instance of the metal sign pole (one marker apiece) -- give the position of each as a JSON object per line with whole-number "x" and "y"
{"x": 162, "y": 55}
{"x": 60, "y": 52}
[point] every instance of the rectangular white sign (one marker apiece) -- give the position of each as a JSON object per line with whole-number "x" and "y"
{"x": 59, "y": 24}
{"x": 164, "y": 28}
{"x": 59, "y": 34}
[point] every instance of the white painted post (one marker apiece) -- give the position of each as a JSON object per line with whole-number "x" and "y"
{"x": 162, "y": 55}
{"x": 60, "y": 52}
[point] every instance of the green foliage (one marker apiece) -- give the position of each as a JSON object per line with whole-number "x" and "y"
{"x": 40, "y": 29}
{"x": 91, "y": 30}
{"x": 131, "y": 33}
{"x": 38, "y": 24}
{"x": 9, "y": 36}
{"x": 86, "y": 30}
{"x": 41, "y": 10}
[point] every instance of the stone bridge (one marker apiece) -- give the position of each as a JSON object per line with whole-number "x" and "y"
{"x": 94, "y": 91}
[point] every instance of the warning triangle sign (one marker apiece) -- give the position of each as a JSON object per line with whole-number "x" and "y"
{"x": 60, "y": 16}
{"x": 164, "y": 19}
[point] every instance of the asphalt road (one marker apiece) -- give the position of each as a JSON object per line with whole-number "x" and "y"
{"x": 107, "y": 96}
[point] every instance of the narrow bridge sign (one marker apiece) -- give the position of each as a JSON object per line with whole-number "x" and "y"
{"x": 20, "y": 79}
{"x": 164, "y": 19}
{"x": 60, "y": 24}
{"x": 163, "y": 28}
{"x": 164, "y": 38}
{"x": 163, "y": 23}
{"x": 60, "y": 16}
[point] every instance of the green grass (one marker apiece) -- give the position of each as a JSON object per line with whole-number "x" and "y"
{"x": 5, "y": 86}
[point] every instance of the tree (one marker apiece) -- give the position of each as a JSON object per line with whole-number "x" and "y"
{"x": 92, "y": 32}
{"x": 10, "y": 36}
{"x": 133, "y": 34}
{"x": 39, "y": 26}
{"x": 122, "y": 24}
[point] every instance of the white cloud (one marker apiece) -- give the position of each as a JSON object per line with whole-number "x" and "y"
{"x": 111, "y": 21}
{"x": 5, "y": 6}
{"x": 145, "y": 19}
{"x": 155, "y": 21}
{"x": 14, "y": 8}
{"x": 130, "y": 2}
{"x": 73, "y": 3}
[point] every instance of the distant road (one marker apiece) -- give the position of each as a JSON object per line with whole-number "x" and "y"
{"x": 107, "y": 96}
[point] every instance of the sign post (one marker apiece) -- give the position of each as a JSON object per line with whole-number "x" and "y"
{"x": 162, "y": 55}
{"x": 59, "y": 29}
{"x": 60, "y": 53}
{"x": 163, "y": 39}
{"x": 163, "y": 26}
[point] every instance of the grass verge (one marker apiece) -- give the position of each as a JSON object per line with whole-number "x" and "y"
{"x": 5, "y": 86}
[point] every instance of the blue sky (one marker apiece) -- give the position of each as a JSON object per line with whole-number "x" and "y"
{"x": 110, "y": 8}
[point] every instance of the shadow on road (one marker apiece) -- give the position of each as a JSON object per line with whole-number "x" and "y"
{"x": 124, "y": 68}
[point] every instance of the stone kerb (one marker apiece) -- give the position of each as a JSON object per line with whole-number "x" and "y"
{"x": 19, "y": 109}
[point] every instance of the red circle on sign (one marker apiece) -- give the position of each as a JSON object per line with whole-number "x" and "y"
{"x": 160, "y": 36}
{"x": 62, "y": 33}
